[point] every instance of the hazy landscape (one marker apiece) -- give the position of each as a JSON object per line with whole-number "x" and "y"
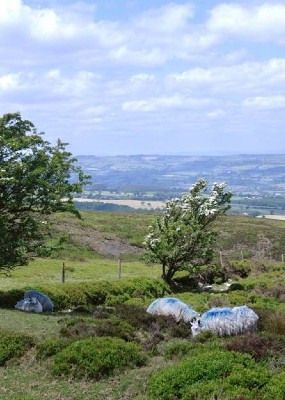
{"x": 256, "y": 181}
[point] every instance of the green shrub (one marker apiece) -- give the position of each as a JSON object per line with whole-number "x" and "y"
{"x": 9, "y": 299}
{"x": 249, "y": 378}
{"x": 275, "y": 389}
{"x": 178, "y": 349}
{"x": 171, "y": 382}
{"x": 97, "y": 357}
{"x": 217, "y": 389}
{"x": 80, "y": 327}
{"x": 13, "y": 345}
{"x": 50, "y": 347}
{"x": 236, "y": 286}
{"x": 112, "y": 299}
{"x": 241, "y": 268}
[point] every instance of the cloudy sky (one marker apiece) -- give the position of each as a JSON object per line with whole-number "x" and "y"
{"x": 147, "y": 76}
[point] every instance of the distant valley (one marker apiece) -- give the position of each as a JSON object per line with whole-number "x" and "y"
{"x": 257, "y": 181}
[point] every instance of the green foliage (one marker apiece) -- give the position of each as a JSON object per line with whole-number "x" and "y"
{"x": 275, "y": 389}
{"x": 172, "y": 382}
{"x": 94, "y": 327}
{"x": 241, "y": 268}
{"x": 97, "y": 357}
{"x": 13, "y": 345}
{"x": 10, "y": 298}
{"x": 24, "y": 398}
{"x": 183, "y": 237}
{"x": 34, "y": 180}
{"x": 178, "y": 349}
{"x": 236, "y": 286}
{"x": 217, "y": 389}
{"x": 50, "y": 347}
{"x": 69, "y": 296}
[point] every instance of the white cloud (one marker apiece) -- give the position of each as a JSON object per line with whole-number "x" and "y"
{"x": 165, "y": 103}
{"x": 240, "y": 77}
{"x": 265, "y": 102}
{"x": 9, "y": 82}
{"x": 170, "y": 18}
{"x": 216, "y": 114}
{"x": 265, "y": 22}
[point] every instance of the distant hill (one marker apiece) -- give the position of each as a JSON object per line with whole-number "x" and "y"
{"x": 244, "y": 174}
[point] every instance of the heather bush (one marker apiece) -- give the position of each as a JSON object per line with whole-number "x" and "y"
{"x": 97, "y": 357}
{"x": 134, "y": 315}
{"x": 258, "y": 346}
{"x": 80, "y": 327}
{"x": 13, "y": 345}
{"x": 272, "y": 321}
{"x": 218, "y": 301}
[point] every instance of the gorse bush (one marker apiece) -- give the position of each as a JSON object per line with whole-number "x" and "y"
{"x": 13, "y": 345}
{"x": 97, "y": 357}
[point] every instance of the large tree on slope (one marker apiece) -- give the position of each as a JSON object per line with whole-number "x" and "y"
{"x": 36, "y": 179}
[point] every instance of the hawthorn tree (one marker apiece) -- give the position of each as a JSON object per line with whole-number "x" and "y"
{"x": 183, "y": 237}
{"x": 36, "y": 179}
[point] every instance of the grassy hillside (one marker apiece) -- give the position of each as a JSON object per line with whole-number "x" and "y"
{"x": 112, "y": 234}
{"x": 53, "y": 356}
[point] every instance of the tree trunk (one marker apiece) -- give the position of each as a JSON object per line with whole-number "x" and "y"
{"x": 163, "y": 272}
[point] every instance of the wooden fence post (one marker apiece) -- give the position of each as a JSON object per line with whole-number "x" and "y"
{"x": 63, "y": 273}
{"x": 221, "y": 259}
{"x": 119, "y": 267}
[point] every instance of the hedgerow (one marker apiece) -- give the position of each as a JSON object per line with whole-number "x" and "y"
{"x": 72, "y": 295}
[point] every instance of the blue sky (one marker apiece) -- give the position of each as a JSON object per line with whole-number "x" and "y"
{"x": 147, "y": 77}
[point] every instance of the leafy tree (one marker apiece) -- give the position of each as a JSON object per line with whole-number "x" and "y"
{"x": 183, "y": 237}
{"x": 36, "y": 179}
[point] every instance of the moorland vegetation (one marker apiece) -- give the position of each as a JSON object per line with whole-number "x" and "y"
{"x": 100, "y": 343}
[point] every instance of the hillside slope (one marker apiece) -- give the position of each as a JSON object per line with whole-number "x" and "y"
{"x": 113, "y": 234}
